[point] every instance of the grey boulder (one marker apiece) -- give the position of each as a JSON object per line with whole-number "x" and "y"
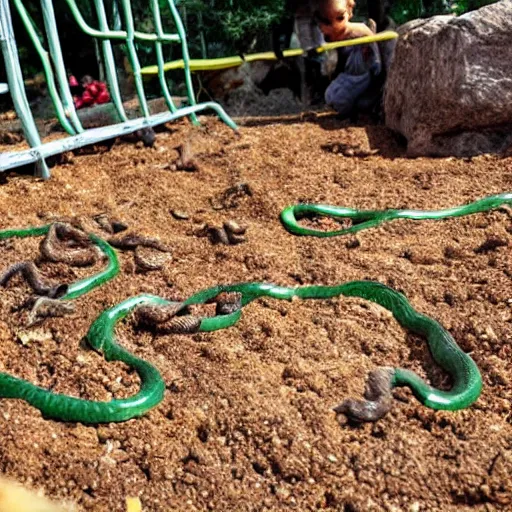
{"x": 449, "y": 85}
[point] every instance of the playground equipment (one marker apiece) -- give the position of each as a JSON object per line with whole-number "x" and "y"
{"x": 58, "y": 87}
{"x": 234, "y": 61}
{"x": 57, "y": 81}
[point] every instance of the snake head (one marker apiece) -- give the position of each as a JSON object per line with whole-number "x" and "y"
{"x": 378, "y": 398}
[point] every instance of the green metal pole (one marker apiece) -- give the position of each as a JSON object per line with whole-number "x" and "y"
{"x": 48, "y": 71}
{"x": 94, "y": 135}
{"x": 114, "y": 34}
{"x": 110, "y": 64}
{"x": 132, "y": 54}
{"x": 186, "y": 57}
{"x": 16, "y": 86}
{"x": 58, "y": 62}
{"x": 160, "y": 56}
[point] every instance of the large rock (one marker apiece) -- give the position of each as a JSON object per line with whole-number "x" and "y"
{"x": 449, "y": 87}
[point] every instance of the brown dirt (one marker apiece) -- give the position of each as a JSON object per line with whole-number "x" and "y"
{"x": 247, "y": 421}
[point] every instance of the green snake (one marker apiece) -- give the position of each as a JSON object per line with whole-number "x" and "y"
{"x": 364, "y": 219}
{"x": 231, "y": 299}
{"x": 63, "y": 407}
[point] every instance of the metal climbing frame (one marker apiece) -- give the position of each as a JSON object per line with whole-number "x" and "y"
{"x": 57, "y": 81}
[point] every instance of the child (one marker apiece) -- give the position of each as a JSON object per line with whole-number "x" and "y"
{"x": 358, "y": 86}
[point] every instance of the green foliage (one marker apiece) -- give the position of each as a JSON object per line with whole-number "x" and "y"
{"x": 462, "y": 6}
{"x": 232, "y": 26}
{"x": 406, "y": 10}
{"x": 237, "y": 25}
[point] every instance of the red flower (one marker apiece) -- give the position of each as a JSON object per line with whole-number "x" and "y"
{"x": 87, "y": 98}
{"x": 95, "y": 92}
{"x": 103, "y": 97}
{"x": 92, "y": 89}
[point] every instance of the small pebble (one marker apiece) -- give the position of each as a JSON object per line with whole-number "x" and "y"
{"x": 234, "y": 227}
{"x": 179, "y": 215}
{"x": 218, "y": 236}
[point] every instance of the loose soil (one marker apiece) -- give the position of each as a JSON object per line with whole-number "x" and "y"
{"x": 247, "y": 421}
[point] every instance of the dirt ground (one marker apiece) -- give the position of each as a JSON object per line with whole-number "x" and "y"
{"x": 247, "y": 421}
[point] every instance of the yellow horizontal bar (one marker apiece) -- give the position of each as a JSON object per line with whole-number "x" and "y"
{"x": 196, "y": 65}
{"x": 230, "y": 62}
{"x": 377, "y": 38}
{"x": 294, "y": 52}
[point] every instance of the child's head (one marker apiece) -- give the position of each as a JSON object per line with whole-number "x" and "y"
{"x": 332, "y": 17}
